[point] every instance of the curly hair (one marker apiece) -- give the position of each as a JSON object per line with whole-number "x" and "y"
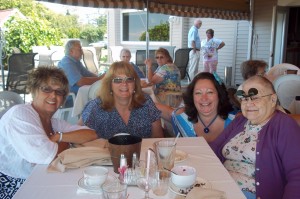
{"x": 250, "y": 68}
{"x": 44, "y": 75}
{"x": 118, "y": 68}
{"x": 224, "y": 106}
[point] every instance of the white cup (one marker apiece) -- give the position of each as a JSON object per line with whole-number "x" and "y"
{"x": 95, "y": 175}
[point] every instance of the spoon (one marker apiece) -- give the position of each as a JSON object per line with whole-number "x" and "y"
{"x": 170, "y": 171}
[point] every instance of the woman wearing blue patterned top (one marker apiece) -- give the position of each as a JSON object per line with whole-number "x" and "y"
{"x": 122, "y": 107}
{"x": 166, "y": 78}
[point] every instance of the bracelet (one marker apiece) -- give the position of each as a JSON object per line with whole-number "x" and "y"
{"x": 60, "y": 137}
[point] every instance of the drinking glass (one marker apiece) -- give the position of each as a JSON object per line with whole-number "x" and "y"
{"x": 146, "y": 181}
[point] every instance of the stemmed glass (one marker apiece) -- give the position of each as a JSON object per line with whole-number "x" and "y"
{"x": 146, "y": 181}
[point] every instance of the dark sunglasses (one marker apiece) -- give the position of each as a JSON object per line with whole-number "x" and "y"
{"x": 48, "y": 89}
{"x": 161, "y": 57}
{"x": 119, "y": 80}
{"x": 252, "y": 95}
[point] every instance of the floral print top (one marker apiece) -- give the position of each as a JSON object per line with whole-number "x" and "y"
{"x": 171, "y": 83}
{"x": 240, "y": 157}
{"x": 210, "y": 48}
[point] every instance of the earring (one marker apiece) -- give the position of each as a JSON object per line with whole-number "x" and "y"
{"x": 111, "y": 93}
{"x": 133, "y": 91}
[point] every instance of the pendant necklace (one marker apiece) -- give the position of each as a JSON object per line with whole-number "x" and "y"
{"x": 206, "y": 129}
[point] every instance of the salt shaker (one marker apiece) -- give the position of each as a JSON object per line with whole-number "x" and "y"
{"x": 123, "y": 167}
{"x": 134, "y": 160}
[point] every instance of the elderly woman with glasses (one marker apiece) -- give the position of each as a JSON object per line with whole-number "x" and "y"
{"x": 29, "y": 134}
{"x": 260, "y": 148}
{"x": 166, "y": 78}
{"x": 122, "y": 107}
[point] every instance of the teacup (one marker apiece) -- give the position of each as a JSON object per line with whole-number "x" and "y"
{"x": 95, "y": 175}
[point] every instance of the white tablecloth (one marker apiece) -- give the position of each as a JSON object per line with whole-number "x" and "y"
{"x": 64, "y": 185}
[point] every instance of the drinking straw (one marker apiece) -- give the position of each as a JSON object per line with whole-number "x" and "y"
{"x": 148, "y": 164}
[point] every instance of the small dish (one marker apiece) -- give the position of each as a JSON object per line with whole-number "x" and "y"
{"x": 95, "y": 189}
{"x": 180, "y": 156}
{"x": 200, "y": 182}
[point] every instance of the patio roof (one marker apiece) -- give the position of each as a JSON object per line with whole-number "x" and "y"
{"x": 220, "y": 9}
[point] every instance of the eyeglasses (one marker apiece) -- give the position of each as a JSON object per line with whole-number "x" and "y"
{"x": 48, "y": 89}
{"x": 161, "y": 57}
{"x": 119, "y": 80}
{"x": 252, "y": 95}
{"x": 253, "y": 98}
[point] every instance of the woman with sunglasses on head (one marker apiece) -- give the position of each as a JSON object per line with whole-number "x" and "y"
{"x": 166, "y": 78}
{"x": 29, "y": 134}
{"x": 122, "y": 107}
{"x": 260, "y": 148}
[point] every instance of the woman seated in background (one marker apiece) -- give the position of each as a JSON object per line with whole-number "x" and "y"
{"x": 260, "y": 148}
{"x": 29, "y": 135}
{"x": 166, "y": 78}
{"x": 122, "y": 107}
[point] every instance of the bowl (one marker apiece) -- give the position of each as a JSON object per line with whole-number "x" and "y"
{"x": 183, "y": 176}
{"x": 95, "y": 175}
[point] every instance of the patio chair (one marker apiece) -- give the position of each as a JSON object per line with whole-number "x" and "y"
{"x": 65, "y": 111}
{"x": 93, "y": 91}
{"x": 90, "y": 61}
{"x": 19, "y": 65}
{"x": 182, "y": 60}
{"x": 281, "y": 69}
{"x": 7, "y": 100}
{"x": 140, "y": 57}
{"x": 287, "y": 88}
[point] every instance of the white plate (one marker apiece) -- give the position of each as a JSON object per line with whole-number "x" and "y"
{"x": 180, "y": 156}
{"x": 97, "y": 189}
{"x": 200, "y": 182}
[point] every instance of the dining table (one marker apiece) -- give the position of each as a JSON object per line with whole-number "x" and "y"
{"x": 65, "y": 185}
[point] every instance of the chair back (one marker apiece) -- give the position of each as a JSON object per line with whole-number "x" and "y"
{"x": 90, "y": 61}
{"x": 65, "y": 111}
{"x": 7, "y": 100}
{"x": 281, "y": 69}
{"x": 140, "y": 57}
{"x": 287, "y": 88}
{"x": 93, "y": 90}
{"x": 182, "y": 60}
{"x": 19, "y": 65}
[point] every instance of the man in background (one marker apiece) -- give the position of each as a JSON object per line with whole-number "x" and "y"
{"x": 77, "y": 74}
{"x": 194, "y": 43}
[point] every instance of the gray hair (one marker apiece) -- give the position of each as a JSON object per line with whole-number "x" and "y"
{"x": 198, "y": 20}
{"x": 69, "y": 45}
{"x": 125, "y": 50}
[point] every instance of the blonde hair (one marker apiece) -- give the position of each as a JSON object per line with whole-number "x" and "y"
{"x": 105, "y": 91}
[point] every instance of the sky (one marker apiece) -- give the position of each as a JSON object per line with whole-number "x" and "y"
{"x": 85, "y": 13}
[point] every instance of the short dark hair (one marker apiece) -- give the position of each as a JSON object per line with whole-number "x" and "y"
{"x": 211, "y": 31}
{"x": 224, "y": 106}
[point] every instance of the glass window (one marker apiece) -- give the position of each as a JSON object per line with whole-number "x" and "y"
{"x": 134, "y": 26}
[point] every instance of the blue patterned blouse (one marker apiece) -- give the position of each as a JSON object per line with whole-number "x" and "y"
{"x": 109, "y": 123}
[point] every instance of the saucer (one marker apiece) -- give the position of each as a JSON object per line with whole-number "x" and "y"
{"x": 95, "y": 189}
{"x": 180, "y": 156}
{"x": 200, "y": 182}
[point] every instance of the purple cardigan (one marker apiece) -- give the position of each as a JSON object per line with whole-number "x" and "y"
{"x": 277, "y": 163}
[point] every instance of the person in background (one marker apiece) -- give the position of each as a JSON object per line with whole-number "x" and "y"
{"x": 194, "y": 42}
{"x": 251, "y": 68}
{"x": 76, "y": 73}
{"x": 166, "y": 78}
{"x": 125, "y": 55}
{"x": 210, "y": 47}
{"x": 207, "y": 110}
{"x": 122, "y": 107}
{"x": 30, "y": 135}
{"x": 260, "y": 148}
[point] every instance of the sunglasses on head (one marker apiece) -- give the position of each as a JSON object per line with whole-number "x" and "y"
{"x": 252, "y": 95}
{"x": 119, "y": 80}
{"x": 48, "y": 89}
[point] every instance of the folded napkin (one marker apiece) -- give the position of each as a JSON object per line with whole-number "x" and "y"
{"x": 80, "y": 157}
{"x": 202, "y": 193}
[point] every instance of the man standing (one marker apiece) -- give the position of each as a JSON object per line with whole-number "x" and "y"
{"x": 194, "y": 43}
{"x": 76, "y": 73}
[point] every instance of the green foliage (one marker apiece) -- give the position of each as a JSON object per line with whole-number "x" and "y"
{"x": 157, "y": 33}
{"x": 91, "y": 33}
